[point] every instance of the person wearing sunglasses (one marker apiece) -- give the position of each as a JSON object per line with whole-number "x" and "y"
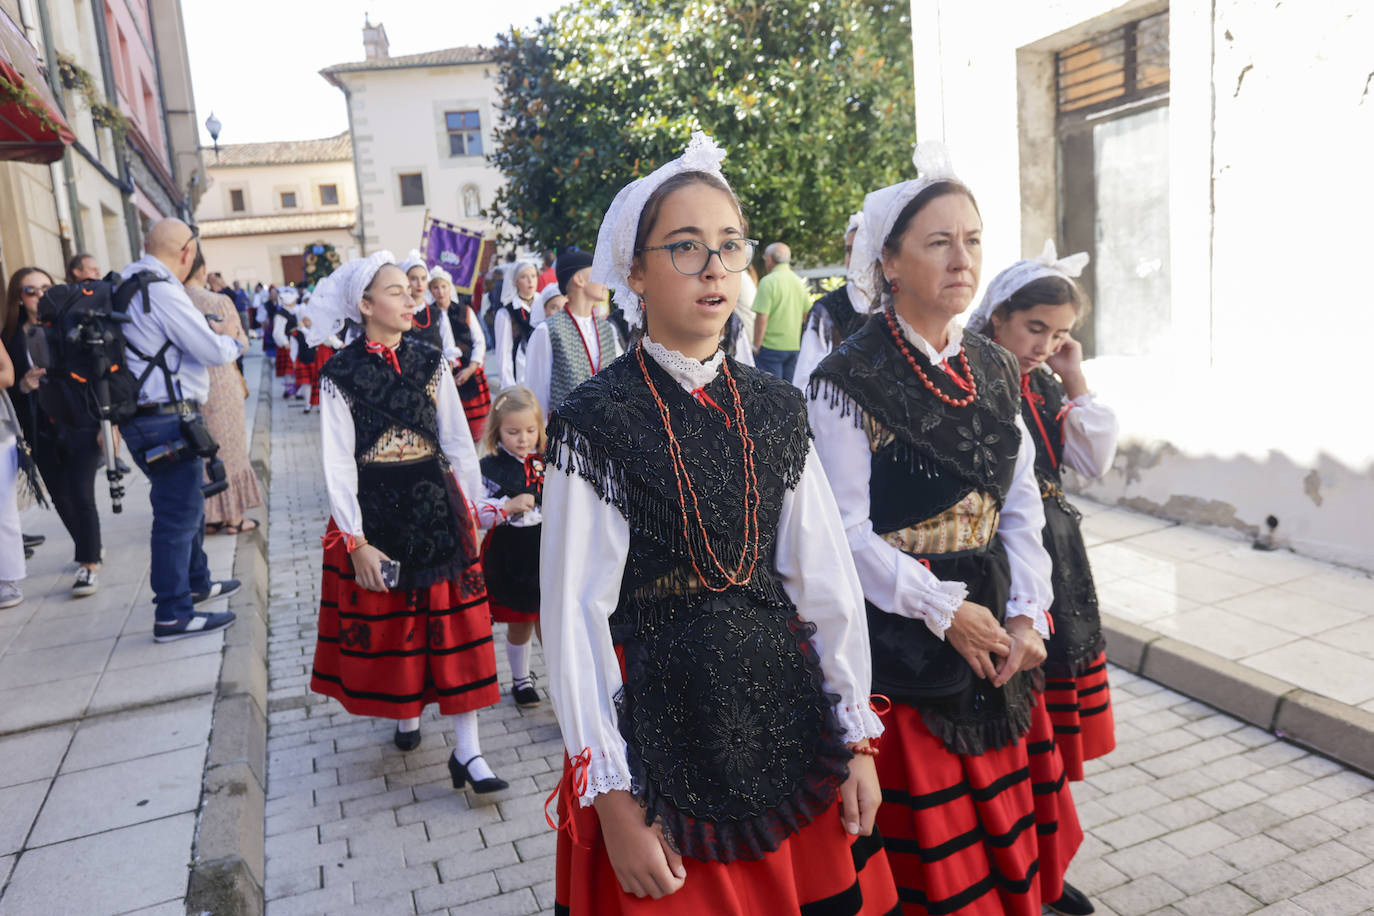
{"x": 170, "y": 335}
{"x": 67, "y": 457}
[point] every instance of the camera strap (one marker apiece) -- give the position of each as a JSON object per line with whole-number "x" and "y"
{"x": 143, "y": 279}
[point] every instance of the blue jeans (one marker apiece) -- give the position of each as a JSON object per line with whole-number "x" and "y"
{"x": 782, "y": 363}
{"x": 178, "y": 565}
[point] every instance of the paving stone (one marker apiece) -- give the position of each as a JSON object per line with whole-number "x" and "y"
{"x": 1200, "y": 838}
{"x": 481, "y": 886}
{"x": 1329, "y": 860}
{"x": 1128, "y": 831}
{"x": 1223, "y": 900}
{"x": 1253, "y": 852}
{"x": 1199, "y": 873}
{"x": 1305, "y": 832}
{"x": 1150, "y": 857}
{"x": 1340, "y": 897}
{"x": 1276, "y": 882}
{"x": 516, "y": 903}
{"x": 1143, "y": 895}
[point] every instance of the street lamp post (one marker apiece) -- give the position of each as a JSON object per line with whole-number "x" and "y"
{"x": 213, "y": 125}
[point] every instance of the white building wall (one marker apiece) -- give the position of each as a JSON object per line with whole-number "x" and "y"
{"x": 1256, "y": 408}
{"x": 262, "y": 186}
{"x": 398, "y": 125}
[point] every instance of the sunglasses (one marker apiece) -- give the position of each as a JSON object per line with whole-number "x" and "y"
{"x": 34, "y": 290}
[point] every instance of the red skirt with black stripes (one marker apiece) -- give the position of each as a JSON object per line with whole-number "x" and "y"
{"x": 476, "y": 396}
{"x": 283, "y": 364}
{"x": 322, "y": 354}
{"x": 819, "y": 871}
{"x": 985, "y": 835}
{"x": 1081, "y": 710}
{"x": 307, "y": 373}
{"x": 389, "y": 654}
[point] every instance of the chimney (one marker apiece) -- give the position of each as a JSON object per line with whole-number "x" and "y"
{"x": 375, "y": 44}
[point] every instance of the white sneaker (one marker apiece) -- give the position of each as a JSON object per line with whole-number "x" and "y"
{"x": 86, "y": 582}
{"x": 10, "y": 595}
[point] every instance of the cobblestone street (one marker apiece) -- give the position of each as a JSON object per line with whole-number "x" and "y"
{"x": 1195, "y": 812}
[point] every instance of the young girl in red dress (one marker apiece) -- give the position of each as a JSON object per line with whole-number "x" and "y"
{"x": 397, "y": 460}
{"x": 1031, "y": 309}
{"x": 702, "y": 619}
{"x": 513, "y": 471}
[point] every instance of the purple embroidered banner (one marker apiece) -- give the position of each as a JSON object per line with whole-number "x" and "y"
{"x": 456, "y": 250}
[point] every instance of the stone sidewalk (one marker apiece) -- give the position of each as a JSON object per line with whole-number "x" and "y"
{"x": 103, "y": 732}
{"x": 1284, "y": 641}
{"x": 1195, "y": 813}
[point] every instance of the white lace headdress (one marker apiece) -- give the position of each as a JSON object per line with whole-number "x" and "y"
{"x": 438, "y": 273}
{"x": 881, "y": 209}
{"x": 337, "y": 296}
{"x": 541, "y": 299}
{"x": 1005, "y": 284}
{"x": 615, "y": 243}
{"x": 512, "y": 272}
{"x": 413, "y": 259}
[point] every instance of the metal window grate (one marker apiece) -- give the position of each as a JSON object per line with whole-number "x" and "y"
{"x": 1121, "y": 65}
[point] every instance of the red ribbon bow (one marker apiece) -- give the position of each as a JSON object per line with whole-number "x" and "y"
{"x": 534, "y": 470}
{"x": 705, "y": 400}
{"x": 335, "y": 537}
{"x": 958, "y": 380}
{"x": 1037, "y": 401}
{"x": 387, "y": 354}
{"x": 572, "y": 787}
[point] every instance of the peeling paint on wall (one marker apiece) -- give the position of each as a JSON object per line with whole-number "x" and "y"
{"x": 1192, "y": 510}
{"x": 1312, "y": 486}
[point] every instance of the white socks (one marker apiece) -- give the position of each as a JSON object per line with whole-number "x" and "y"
{"x": 408, "y": 725}
{"x": 519, "y": 657}
{"x": 465, "y": 737}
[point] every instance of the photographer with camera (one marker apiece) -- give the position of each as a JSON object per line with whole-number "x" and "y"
{"x": 167, "y": 435}
{"x": 67, "y": 456}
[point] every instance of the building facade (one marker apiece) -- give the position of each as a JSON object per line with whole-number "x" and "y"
{"x": 1189, "y": 147}
{"x": 422, "y": 125}
{"x": 267, "y": 202}
{"x": 120, "y": 75}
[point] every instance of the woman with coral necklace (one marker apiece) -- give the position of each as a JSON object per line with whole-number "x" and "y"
{"x": 918, "y": 427}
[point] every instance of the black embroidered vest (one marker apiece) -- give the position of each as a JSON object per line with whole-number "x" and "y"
{"x": 733, "y": 744}
{"x": 462, "y": 332}
{"x": 427, "y": 328}
{"x": 836, "y": 306}
{"x": 929, "y": 461}
{"x": 304, "y": 354}
{"x": 514, "y": 477}
{"x": 1077, "y": 638}
{"x": 520, "y": 330}
{"x": 413, "y": 511}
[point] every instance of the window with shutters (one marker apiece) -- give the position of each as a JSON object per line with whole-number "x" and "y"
{"x": 1112, "y": 126}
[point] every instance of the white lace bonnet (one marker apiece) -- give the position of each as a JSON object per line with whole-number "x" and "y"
{"x": 413, "y": 259}
{"x": 337, "y": 296}
{"x": 615, "y": 243}
{"x": 1018, "y": 275}
{"x": 880, "y": 212}
{"x": 512, "y": 272}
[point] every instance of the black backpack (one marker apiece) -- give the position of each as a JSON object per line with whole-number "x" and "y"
{"x": 80, "y": 341}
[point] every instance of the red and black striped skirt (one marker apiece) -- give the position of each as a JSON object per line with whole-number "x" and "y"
{"x": 322, "y": 354}
{"x": 476, "y": 396}
{"x": 307, "y": 373}
{"x": 819, "y": 871}
{"x": 389, "y": 654}
{"x": 1081, "y": 710}
{"x": 283, "y": 362}
{"x": 986, "y": 835}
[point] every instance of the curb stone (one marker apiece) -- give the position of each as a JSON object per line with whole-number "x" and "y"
{"x": 1339, "y": 731}
{"x": 228, "y": 863}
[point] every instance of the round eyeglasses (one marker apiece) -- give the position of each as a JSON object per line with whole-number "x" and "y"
{"x": 690, "y": 257}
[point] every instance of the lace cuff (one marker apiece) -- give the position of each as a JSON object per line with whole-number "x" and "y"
{"x": 858, "y": 722}
{"x": 940, "y": 604}
{"x": 1017, "y": 606}
{"x": 605, "y": 773}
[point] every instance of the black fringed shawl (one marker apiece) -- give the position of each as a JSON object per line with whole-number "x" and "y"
{"x": 927, "y": 457}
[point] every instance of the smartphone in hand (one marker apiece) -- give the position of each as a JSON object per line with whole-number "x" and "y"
{"x": 391, "y": 573}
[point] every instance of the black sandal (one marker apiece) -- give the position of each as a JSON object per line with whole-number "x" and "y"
{"x": 241, "y": 527}
{"x": 215, "y": 527}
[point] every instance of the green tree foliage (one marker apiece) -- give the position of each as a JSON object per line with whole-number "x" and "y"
{"x": 812, "y": 99}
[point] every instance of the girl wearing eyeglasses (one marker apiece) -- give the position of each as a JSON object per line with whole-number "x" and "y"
{"x": 702, "y": 620}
